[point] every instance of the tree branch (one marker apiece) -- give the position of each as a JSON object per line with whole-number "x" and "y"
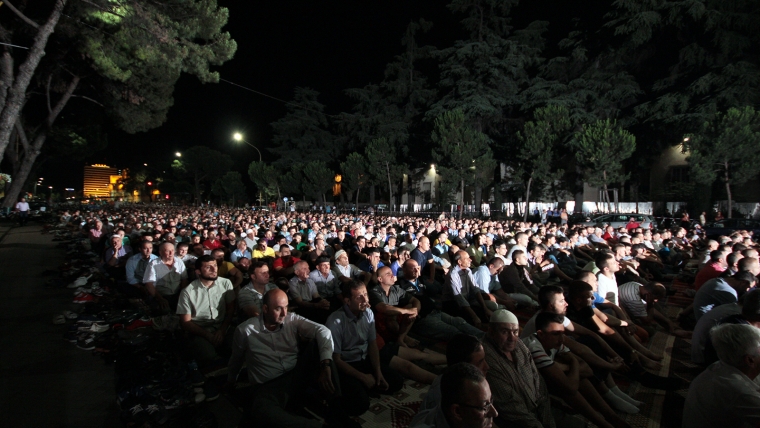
{"x": 21, "y": 15}
{"x": 47, "y": 93}
{"x": 22, "y": 136}
{"x": 88, "y": 99}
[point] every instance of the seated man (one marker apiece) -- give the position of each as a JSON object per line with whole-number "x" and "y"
{"x": 268, "y": 344}
{"x": 462, "y": 348}
{"x": 746, "y": 311}
{"x": 283, "y": 265}
{"x": 303, "y": 293}
{"x": 719, "y": 291}
{"x": 519, "y": 392}
{"x": 241, "y": 250}
{"x": 424, "y": 257}
{"x": 206, "y": 308}
{"x": 431, "y": 322}
{"x": 135, "y": 270}
{"x": 461, "y": 297}
{"x": 262, "y": 250}
{"x": 725, "y": 394}
{"x": 227, "y": 269}
{"x": 327, "y": 284}
{"x": 487, "y": 279}
{"x": 466, "y": 401}
{"x": 250, "y": 297}
{"x": 517, "y": 280}
{"x": 638, "y": 301}
{"x": 165, "y": 277}
{"x": 395, "y": 310}
{"x": 344, "y": 271}
{"x": 116, "y": 257}
{"x": 361, "y": 365}
{"x": 370, "y": 266}
{"x": 569, "y": 376}
{"x": 320, "y": 250}
{"x": 713, "y": 269}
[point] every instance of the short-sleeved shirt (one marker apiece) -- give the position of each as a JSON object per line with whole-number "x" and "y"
{"x": 237, "y": 254}
{"x": 541, "y": 357}
{"x": 167, "y": 279}
{"x": 305, "y": 290}
{"x": 249, "y": 296}
{"x": 629, "y": 295}
{"x": 351, "y": 335}
{"x": 258, "y": 254}
{"x": 422, "y": 258}
{"x": 607, "y": 288}
{"x": 397, "y": 296}
{"x": 207, "y": 307}
{"x": 714, "y": 292}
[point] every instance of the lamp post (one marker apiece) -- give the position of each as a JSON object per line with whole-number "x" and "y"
{"x": 36, "y": 183}
{"x": 239, "y": 137}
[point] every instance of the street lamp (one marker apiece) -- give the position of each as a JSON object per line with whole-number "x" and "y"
{"x": 178, "y": 154}
{"x": 239, "y": 137}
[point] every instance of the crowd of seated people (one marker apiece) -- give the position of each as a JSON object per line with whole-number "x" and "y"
{"x": 366, "y": 290}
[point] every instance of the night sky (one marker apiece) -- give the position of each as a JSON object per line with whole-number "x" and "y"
{"x": 328, "y": 46}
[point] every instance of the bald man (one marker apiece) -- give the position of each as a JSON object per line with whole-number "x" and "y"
{"x": 268, "y": 344}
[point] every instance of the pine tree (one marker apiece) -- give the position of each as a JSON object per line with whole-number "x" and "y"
{"x": 230, "y": 188}
{"x": 354, "y": 174}
{"x": 382, "y": 163}
{"x": 318, "y": 180}
{"x": 462, "y": 152}
{"x": 201, "y": 165}
{"x": 304, "y": 132}
{"x": 726, "y": 148}
{"x": 534, "y": 160}
{"x": 601, "y": 148}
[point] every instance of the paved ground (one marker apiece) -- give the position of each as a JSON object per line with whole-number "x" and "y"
{"x": 45, "y": 381}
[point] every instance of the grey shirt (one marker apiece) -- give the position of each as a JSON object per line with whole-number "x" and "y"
{"x": 249, "y": 296}
{"x": 396, "y": 296}
{"x": 327, "y": 287}
{"x": 351, "y": 335}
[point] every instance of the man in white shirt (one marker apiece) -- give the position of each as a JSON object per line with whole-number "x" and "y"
{"x": 22, "y": 208}
{"x": 269, "y": 345}
{"x": 206, "y": 308}
{"x": 607, "y": 286}
{"x": 725, "y": 394}
{"x": 165, "y": 277}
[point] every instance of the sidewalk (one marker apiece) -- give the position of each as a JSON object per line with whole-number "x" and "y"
{"x": 45, "y": 381}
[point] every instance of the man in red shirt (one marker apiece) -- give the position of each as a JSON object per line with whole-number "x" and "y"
{"x": 712, "y": 269}
{"x": 632, "y": 224}
{"x": 212, "y": 243}
{"x": 283, "y": 265}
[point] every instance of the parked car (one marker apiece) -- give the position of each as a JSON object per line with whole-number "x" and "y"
{"x": 728, "y": 226}
{"x": 618, "y": 220}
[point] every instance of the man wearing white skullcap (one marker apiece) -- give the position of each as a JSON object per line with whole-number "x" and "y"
{"x": 519, "y": 393}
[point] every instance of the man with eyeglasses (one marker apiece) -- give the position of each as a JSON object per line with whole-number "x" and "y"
{"x": 520, "y": 394}
{"x": 466, "y": 401}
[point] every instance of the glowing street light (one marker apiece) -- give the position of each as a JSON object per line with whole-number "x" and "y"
{"x": 239, "y": 137}
{"x": 178, "y": 154}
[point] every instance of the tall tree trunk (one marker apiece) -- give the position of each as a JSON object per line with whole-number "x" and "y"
{"x": 17, "y": 93}
{"x": 371, "y": 197}
{"x": 390, "y": 187}
{"x": 578, "y": 190}
{"x": 6, "y": 76}
{"x": 461, "y": 199}
{"x": 606, "y": 194}
{"x": 527, "y": 199}
{"x": 31, "y": 151}
{"x": 728, "y": 191}
{"x": 478, "y": 199}
{"x": 357, "y": 197}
